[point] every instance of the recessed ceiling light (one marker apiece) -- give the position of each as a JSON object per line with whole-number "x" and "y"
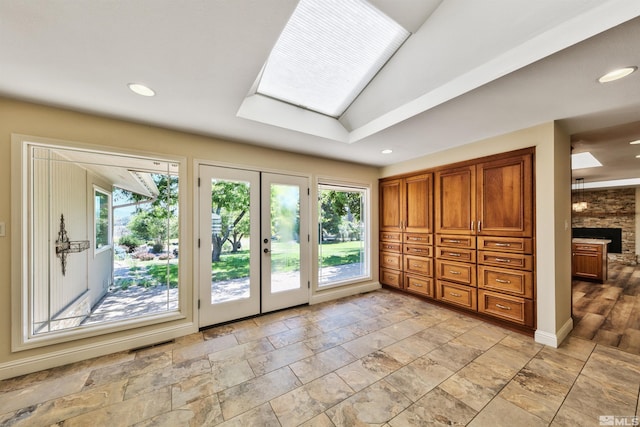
{"x": 617, "y": 74}
{"x": 387, "y": 151}
{"x": 141, "y": 89}
{"x": 638, "y": 156}
{"x": 637, "y": 141}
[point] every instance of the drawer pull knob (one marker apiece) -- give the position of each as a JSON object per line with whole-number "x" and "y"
{"x": 452, "y": 241}
{"x": 417, "y": 265}
{"x": 454, "y": 272}
{"x": 454, "y": 254}
{"x": 389, "y": 247}
{"x": 453, "y": 294}
{"x": 503, "y": 281}
{"x": 504, "y": 307}
{"x": 503, "y": 260}
{"x": 390, "y": 260}
{"x": 415, "y": 284}
{"x": 417, "y": 239}
{"x": 417, "y": 250}
{"x": 506, "y": 245}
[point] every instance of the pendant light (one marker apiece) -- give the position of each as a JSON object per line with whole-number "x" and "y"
{"x": 580, "y": 205}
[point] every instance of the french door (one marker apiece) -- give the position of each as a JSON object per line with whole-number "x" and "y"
{"x": 254, "y": 243}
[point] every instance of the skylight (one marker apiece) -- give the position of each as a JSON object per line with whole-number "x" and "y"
{"x": 328, "y": 52}
{"x": 584, "y": 160}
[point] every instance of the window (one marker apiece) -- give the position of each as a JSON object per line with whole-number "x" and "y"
{"x": 102, "y": 219}
{"x": 343, "y": 247}
{"x": 328, "y": 52}
{"x": 132, "y": 279}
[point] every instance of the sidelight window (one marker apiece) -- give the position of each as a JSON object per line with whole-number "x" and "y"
{"x": 343, "y": 240}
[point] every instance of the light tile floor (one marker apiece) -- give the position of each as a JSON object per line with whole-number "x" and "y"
{"x": 381, "y": 358}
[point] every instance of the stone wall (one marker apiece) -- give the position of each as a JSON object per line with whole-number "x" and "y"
{"x": 613, "y": 208}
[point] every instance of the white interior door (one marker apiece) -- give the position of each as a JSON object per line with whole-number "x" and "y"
{"x": 254, "y": 254}
{"x": 229, "y": 223}
{"x": 285, "y": 241}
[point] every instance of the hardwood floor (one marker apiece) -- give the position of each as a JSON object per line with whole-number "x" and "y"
{"x": 609, "y": 313}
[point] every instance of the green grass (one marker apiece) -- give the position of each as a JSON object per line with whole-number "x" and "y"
{"x": 161, "y": 274}
{"x": 234, "y": 266}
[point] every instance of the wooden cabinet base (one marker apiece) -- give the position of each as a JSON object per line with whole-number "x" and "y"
{"x": 513, "y": 309}
{"x": 391, "y": 278}
{"x": 419, "y": 285}
{"x": 460, "y": 295}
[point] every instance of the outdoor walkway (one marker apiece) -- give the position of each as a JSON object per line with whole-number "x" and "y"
{"x": 137, "y": 300}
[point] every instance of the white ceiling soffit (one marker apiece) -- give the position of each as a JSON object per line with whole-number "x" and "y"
{"x": 130, "y": 173}
{"x": 448, "y": 54}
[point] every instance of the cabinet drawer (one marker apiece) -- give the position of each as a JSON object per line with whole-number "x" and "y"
{"x": 507, "y": 260}
{"x": 456, "y": 254}
{"x": 391, "y": 277}
{"x": 390, "y": 247}
{"x": 456, "y": 271}
{"x": 391, "y": 260}
{"x": 389, "y": 236}
{"x": 456, "y": 294}
{"x": 419, "y": 265}
{"x": 585, "y": 247}
{"x": 419, "y": 250}
{"x": 418, "y": 238}
{"x": 513, "y": 309}
{"x": 453, "y": 241}
{"x": 419, "y": 285}
{"x": 514, "y": 282}
{"x": 505, "y": 244}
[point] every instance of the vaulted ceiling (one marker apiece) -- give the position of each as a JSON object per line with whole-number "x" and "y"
{"x": 470, "y": 70}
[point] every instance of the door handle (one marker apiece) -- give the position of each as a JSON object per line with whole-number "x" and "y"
{"x": 266, "y": 250}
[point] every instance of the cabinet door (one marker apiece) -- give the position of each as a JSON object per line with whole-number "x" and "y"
{"x": 418, "y": 203}
{"x": 456, "y": 201}
{"x": 588, "y": 265}
{"x": 391, "y": 205}
{"x": 505, "y": 197}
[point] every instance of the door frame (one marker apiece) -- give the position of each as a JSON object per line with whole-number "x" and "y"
{"x": 196, "y": 270}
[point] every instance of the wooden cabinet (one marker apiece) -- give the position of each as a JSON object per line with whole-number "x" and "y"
{"x": 456, "y": 200}
{"x": 406, "y": 204}
{"x": 406, "y": 227}
{"x": 495, "y": 209}
{"x": 391, "y": 200}
{"x": 589, "y": 259}
{"x": 505, "y": 197}
{"x": 391, "y": 259}
{"x": 480, "y": 252}
{"x": 492, "y": 198}
{"x": 506, "y": 280}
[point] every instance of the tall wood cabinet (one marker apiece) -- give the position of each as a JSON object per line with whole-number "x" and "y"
{"x": 483, "y": 235}
{"x": 406, "y": 233}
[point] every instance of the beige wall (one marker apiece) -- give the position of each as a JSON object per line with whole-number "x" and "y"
{"x": 553, "y": 215}
{"x": 553, "y": 178}
{"x": 41, "y": 121}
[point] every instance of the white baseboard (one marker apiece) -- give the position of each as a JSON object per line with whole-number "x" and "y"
{"x": 75, "y": 354}
{"x": 335, "y": 293}
{"x": 554, "y": 340}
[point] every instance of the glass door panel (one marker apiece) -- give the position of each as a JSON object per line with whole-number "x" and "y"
{"x": 285, "y": 272}
{"x": 229, "y": 264}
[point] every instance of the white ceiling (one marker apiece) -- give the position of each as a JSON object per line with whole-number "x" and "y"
{"x": 471, "y": 70}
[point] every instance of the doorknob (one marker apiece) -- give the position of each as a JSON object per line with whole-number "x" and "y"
{"x": 266, "y": 250}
